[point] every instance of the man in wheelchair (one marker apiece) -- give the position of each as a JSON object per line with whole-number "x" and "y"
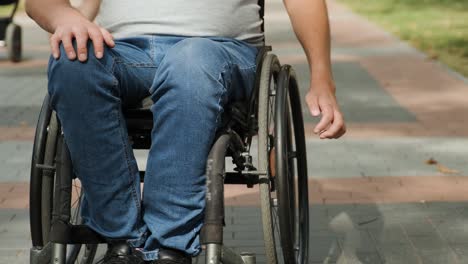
{"x": 192, "y": 58}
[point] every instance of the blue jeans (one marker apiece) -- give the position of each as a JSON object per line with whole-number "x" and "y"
{"x": 190, "y": 81}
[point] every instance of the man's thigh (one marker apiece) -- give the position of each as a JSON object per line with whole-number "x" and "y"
{"x": 129, "y": 65}
{"x": 201, "y": 66}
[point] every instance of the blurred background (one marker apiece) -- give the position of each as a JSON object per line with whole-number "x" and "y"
{"x": 392, "y": 190}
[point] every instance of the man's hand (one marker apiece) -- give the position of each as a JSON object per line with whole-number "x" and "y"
{"x": 66, "y": 23}
{"x": 321, "y": 99}
{"x": 80, "y": 29}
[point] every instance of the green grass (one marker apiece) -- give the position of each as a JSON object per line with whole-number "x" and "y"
{"x": 437, "y": 27}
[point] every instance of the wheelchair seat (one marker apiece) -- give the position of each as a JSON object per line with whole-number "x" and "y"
{"x": 139, "y": 120}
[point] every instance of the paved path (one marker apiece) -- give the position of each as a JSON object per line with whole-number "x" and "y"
{"x": 374, "y": 198}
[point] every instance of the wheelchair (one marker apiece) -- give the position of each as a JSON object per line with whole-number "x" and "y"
{"x": 272, "y": 117}
{"x": 10, "y": 33}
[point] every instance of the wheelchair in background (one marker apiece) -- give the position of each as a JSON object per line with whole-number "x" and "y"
{"x": 10, "y": 33}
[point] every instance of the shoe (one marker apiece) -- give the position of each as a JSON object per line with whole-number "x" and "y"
{"x": 120, "y": 253}
{"x": 172, "y": 256}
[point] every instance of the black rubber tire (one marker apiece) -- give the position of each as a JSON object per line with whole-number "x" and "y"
{"x": 13, "y": 40}
{"x": 35, "y": 189}
{"x": 291, "y": 170}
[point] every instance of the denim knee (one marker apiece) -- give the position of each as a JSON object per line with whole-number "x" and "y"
{"x": 193, "y": 71}
{"x": 72, "y": 80}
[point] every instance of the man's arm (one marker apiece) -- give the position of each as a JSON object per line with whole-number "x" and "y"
{"x": 67, "y": 23}
{"x": 309, "y": 19}
{"x": 89, "y": 8}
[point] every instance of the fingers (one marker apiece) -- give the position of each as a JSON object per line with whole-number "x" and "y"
{"x": 81, "y": 34}
{"x": 81, "y": 38}
{"x": 96, "y": 37}
{"x": 314, "y": 107}
{"x": 54, "y": 45}
{"x": 332, "y": 124}
{"x": 336, "y": 129}
{"x": 326, "y": 120}
{"x": 107, "y": 37}
{"x": 68, "y": 46}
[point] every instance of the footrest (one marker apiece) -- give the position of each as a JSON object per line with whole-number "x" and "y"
{"x": 64, "y": 233}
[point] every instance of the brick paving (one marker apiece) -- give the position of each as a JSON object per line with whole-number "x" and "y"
{"x": 374, "y": 199}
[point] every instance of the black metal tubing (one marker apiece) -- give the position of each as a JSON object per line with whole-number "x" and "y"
{"x": 35, "y": 190}
{"x": 212, "y": 231}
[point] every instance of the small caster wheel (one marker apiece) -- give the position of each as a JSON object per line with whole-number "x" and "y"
{"x": 13, "y": 42}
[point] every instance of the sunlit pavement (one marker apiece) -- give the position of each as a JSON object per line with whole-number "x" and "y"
{"x": 374, "y": 197}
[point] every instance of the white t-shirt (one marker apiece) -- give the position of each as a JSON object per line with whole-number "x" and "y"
{"x": 237, "y": 19}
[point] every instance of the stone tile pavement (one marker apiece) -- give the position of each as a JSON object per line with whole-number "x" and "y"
{"x": 374, "y": 199}
{"x": 432, "y": 232}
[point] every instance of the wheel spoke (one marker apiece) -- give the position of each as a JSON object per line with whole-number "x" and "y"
{"x": 275, "y": 222}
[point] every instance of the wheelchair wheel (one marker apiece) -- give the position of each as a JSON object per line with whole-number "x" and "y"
{"x": 284, "y": 194}
{"x": 42, "y": 187}
{"x": 13, "y": 42}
